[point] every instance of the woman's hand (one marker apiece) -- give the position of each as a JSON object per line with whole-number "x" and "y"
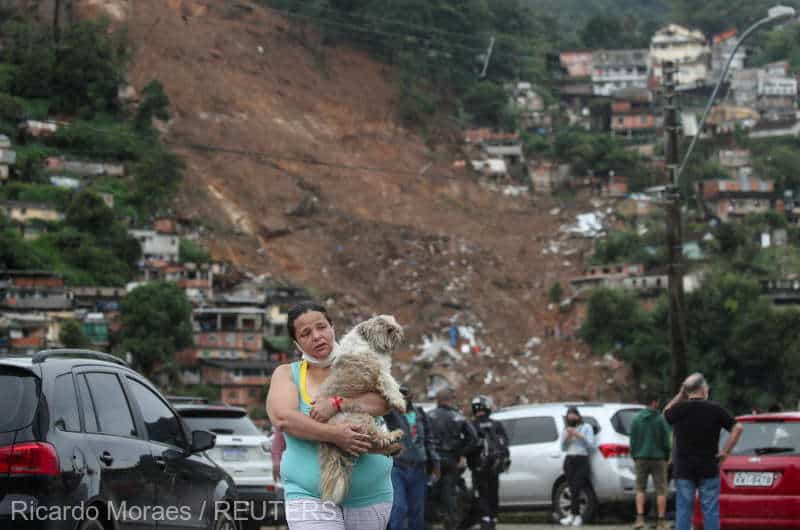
{"x": 323, "y": 409}
{"x": 350, "y": 439}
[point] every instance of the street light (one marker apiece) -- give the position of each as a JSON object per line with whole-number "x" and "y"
{"x": 674, "y": 229}
{"x": 774, "y": 14}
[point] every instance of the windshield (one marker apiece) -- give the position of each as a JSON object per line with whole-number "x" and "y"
{"x": 19, "y": 395}
{"x": 241, "y": 426}
{"x": 765, "y": 438}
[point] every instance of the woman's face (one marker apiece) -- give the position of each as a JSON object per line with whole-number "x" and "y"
{"x": 573, "y": 418}
{"x": 314, "y": 334}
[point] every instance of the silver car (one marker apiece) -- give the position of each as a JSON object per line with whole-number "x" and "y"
{"x": 536, "y": 477}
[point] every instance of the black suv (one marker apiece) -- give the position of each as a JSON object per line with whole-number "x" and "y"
{"x": 87, "y": 443}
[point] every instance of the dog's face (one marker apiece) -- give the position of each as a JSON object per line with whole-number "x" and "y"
{"x": 382, "y": 333}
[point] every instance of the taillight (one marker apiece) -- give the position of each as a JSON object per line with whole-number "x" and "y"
{"x": 614, "y": 450}
{"x": 29, "y": 459}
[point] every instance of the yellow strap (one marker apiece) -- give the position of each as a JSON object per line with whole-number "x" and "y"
{"x": 303, "y": 384}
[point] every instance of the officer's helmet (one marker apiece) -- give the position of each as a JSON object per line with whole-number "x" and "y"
{"x": 482, "y": 403}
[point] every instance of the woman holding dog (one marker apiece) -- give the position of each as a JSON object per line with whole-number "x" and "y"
{"x": 294, "y": 406}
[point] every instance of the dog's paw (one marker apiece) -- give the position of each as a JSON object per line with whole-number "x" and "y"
{"x": 397, "y": 403}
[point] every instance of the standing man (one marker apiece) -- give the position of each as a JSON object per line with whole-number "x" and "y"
{"x": 650, "y": 449}
{"x": 697, "y": 422}
{"x": 411, "y": 465}
{"x": 490, "y": 459}
{"x": 456, "y": 438}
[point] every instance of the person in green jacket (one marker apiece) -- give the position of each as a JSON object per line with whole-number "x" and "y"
{"x": 650, "y": 448}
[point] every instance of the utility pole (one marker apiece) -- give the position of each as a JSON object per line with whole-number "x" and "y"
{"x": 488, "y": 57}
{"x": 677, "y": 315}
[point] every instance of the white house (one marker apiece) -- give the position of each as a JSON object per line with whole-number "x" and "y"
{"x": 615, "y": 70}
{"x": 157, "y": 246}
{"x": 687, "y": 48}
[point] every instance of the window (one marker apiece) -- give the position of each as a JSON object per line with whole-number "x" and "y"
{"x": 113, "y": 413}
{"x": 523, "y": 431}
{"x": 65, "y": 405}
{"x": 253, "y": 393}
{"x": 89, "y": 416}
{"x": 161, "y": 424}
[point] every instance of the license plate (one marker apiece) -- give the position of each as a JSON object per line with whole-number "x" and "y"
{"x": 234, "y": 454}
{"x": 753, "y": 480}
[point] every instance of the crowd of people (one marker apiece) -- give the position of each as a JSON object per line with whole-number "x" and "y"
{"x": 392, "y": 491}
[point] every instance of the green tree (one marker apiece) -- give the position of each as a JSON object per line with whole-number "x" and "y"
{"x": 72, "y": 335}
{"x": 192, "y": 252}
{"x": 157, "y": 176}
{"x": 155, "y": 104}
{"x": 156, "y": 323}
{"x": 486, "y": 102}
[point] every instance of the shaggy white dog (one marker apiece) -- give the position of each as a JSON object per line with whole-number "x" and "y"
{"x": 363, "y": 364}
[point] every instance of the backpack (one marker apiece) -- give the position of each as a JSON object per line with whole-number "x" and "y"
{"x": 493, "y": 452}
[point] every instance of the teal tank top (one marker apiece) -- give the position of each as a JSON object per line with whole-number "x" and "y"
{"x": 371, "y": 479}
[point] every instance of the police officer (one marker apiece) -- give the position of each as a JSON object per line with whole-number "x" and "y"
{"x": 456, "y": 439}
{"x": 489, "y": 460}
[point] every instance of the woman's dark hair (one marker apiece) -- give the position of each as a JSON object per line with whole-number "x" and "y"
{"x": 299, "y": 310}
{"x": 574, "y": 410}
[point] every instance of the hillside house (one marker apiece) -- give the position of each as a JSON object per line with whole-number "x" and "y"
{"x": 95, "y": 327}
{"x": 97, "y": 299}
{"x": 633, "y": 115}
{"x": 724, "y": 119}
{"x": 25, "y": 212}
{"x": 610, "y": 275}
{"x": 494, "y": 168}
{"x": 159, "y": 246}
{"x": 789, "y": 126}
{"x": 614, "y": 187}
{"x": 83, "y": 169}
{"x": 614, "y": 70}
{"x": 23, "y": 333}
{"x": 230, "y": 333}
{"x": 776, "y": 91}
{"x": 730, "y": 199}
{"x": 548, "y": 177}
{"x": 8, "y": 158}
{"x": 279, "y": 299}
{"x": 31, "y": 290}
{"x": 578, "y": 64}
{"x": 477, "y": 136}
{"x": 5, "y": 142}
{"x": 722, "y": 46}
{"x": 782, "y": 291}
{"x": 737, "y": 162}
{"x": 687, "y": 48}
{"x": 38, "y": 129}
{"x": 744, "y": 87}
{"x": 241, "y": 383}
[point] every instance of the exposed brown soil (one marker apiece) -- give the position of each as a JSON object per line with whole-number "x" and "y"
{"x": 421, "y": 246}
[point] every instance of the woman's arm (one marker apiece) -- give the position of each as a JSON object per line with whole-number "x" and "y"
{"x": 370, "y": 403}
{"x": 282, "y": 407}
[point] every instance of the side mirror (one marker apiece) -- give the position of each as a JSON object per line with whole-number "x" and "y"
{"x": 202, "y": 441}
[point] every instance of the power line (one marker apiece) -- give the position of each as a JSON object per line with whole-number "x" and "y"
{"x": 472, "y": 49}
{"x": 407, "y": 24}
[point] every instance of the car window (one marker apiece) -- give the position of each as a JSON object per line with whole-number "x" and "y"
{"x": 522, "y": 431}
{"x": 162, "y": 425}
{"x": 19, "y": 394}
{"x": 65, "y": 405}
{"x": 767, "y": 437}
{"x": 113, "y": 413}
{"x": 89, "y": 414}
{"x": 622, "y": 420}
{"x": 238, "y": 426}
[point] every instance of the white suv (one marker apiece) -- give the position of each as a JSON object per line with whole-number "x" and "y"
{"x": 242, "y": 450}
{"x": 536, "y": 477}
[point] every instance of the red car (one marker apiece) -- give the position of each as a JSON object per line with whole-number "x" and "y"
{"x": 760, "y": 481}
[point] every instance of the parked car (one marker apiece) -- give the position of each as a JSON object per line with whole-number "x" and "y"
{"x": 760, "y": 480}
{"x": 536, "y": 478}
{"x": 82, "y": 434}
{"x": 243, "y": 450}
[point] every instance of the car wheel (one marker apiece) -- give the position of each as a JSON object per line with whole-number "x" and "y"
{"x": 562, "y": 500}
{"x": 224, "y": 521}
